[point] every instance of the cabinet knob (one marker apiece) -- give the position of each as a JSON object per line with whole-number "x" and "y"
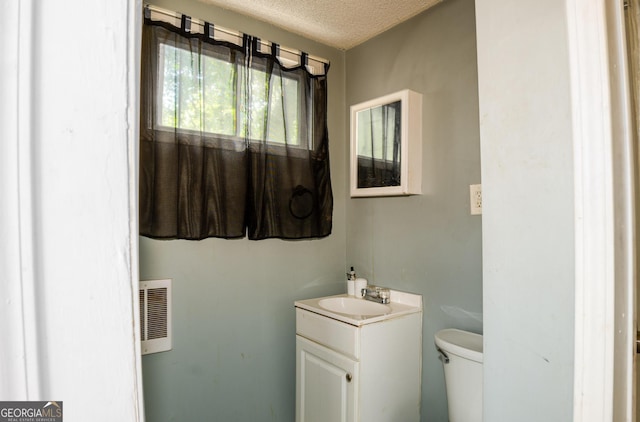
{"x": 349, "y": 377}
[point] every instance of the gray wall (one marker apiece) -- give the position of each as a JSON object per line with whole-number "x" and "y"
{"x": 234, "y": 351}
{"x": 233, "y": 356}
{"x": 428, "y": 244}
{"x": 528, "y": 225}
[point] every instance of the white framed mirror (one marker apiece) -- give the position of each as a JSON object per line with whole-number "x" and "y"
{"x": 386, "y": 145}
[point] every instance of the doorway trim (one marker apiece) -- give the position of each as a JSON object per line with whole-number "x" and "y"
{"x": 604, "y": 219}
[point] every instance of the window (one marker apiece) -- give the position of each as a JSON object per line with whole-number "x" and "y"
{"x": 232, "y": 142}
{"x": 204, "y": 93}
{"x": 196, "y": 93}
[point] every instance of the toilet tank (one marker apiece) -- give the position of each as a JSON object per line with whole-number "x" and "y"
{"x": 461, "y": 353}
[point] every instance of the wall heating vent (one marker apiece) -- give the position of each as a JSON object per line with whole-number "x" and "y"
{"x": 155, "y": 315}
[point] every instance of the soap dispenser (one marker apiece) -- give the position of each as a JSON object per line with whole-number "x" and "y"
{"x": 351, "y": 279}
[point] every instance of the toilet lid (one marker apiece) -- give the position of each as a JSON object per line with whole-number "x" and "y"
{"x": 460, "y": 343}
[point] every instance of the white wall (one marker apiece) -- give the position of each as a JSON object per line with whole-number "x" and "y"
{"x": 528, "y": 209}
{"x": 68, "y": 126}
{"x": 558, "y": 240}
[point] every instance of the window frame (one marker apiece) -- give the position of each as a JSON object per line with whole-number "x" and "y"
{"x": 304, "y": 139}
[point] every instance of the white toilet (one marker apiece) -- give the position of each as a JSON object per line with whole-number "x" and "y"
{"x": 461, "y": 354}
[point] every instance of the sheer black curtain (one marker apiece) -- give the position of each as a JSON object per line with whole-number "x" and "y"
{"x": 233, "y": 143}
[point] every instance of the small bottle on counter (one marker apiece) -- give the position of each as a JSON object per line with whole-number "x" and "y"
{"x": 351, "y": 278}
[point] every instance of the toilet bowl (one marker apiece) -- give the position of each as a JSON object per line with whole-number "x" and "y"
{"x": 461, "y": 355}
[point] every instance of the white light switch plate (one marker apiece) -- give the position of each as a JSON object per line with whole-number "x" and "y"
{"x": 475, "y": 196}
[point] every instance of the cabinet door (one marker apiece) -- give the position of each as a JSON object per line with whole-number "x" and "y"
{"x": 326, "y": 384}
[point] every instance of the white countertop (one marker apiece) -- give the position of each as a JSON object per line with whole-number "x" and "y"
{"x": 401, "y": 304}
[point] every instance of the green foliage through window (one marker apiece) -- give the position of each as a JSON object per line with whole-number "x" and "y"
{"x": 206, "y": 94}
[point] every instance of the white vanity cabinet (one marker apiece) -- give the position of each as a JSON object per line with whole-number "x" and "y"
{"x": 364, "y": 370}
{"x": 327, "y": 390}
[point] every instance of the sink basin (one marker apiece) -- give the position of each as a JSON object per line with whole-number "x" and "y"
{"x": 360, "y": 312}
{"x": 353, "y": 306}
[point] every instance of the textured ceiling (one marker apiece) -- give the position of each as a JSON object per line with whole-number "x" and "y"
{"x": 339, "y": 23}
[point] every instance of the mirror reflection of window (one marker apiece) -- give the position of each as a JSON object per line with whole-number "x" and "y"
{"x": 379, "y": 141}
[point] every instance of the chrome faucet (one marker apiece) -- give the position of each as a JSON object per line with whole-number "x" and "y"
{"x": 377, "y": 294}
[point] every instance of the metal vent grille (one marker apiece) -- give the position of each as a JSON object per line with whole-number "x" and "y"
{"x": 155, "y": 315}
{"x": 143, "y": 319}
